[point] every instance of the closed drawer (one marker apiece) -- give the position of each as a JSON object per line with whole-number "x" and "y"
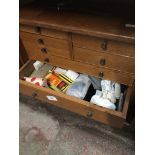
{"x": 125, "y": 64}
{"x": 101, "y": 114}
{"x": 103, "y": 45}
{"x": 44, "y": 31}
{"x": 54, "y": 33}
{"x": 29, "y": 28}
{"x": 36, "y": 53}
{"x": 37, "y": 45}
{"x": 62, "y": 45}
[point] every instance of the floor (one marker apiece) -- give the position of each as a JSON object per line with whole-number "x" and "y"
{"x": 47, "y": 130}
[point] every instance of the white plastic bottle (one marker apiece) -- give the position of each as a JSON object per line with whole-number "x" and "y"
{"x": 117, "y": 90}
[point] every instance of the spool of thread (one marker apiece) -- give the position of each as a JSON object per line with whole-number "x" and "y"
{"x": 37, "y": 65}
{"x": 117, "y": 90}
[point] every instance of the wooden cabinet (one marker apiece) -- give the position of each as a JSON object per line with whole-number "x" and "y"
{"x": 73, "y": 41}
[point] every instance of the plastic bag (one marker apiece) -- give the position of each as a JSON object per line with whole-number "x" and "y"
{"x": 80, "y": 87}
{"x": 96, "y": 82}
{"x": 103, "y": 102}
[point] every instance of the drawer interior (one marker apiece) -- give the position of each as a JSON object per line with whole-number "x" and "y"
{"x": 28, "y": 69}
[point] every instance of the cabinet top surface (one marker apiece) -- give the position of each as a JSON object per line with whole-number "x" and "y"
{"x": 93, "y": 25}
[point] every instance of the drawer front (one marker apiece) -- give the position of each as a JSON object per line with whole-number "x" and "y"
{"x": 125, "y": 64}
{"x": 34, "y": 52}
{"x": 102, "y": 45}
{"x": 30, "y": 29}
{"x": 37, "y": 45}
{"x": 117, "y": 76}
{"x": 83, "y": 108}
{"x": 44, "y": 31}
{"x": 54, "y": 33}
{"x": 63, "y": 45}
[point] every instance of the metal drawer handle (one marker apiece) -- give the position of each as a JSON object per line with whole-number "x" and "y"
{"x": 104, "y": 45}
{"x": 102, "y": 62}
{"x": 101, "y": 74}
{"x": 46, "y": 60}
{"x": 44, "y": 50}
{"x": 34, "y": 94}
{"x": 89, "y": 114}
{"x": 37, "y": 29}
{"x": 40, "y": 41}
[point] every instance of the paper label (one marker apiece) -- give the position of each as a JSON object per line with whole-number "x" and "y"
{"x": 52, "y": 98}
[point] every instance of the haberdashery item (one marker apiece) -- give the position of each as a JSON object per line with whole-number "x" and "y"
{"x": 120, "y": 103}
{"x": 58, "y": 82}
{"x": 60, "y": 70}
{"x": 111, "y": 90}
{"x": 38, "y": 65}
{"x": 106, "y": 85}
{"x": 98, "y": 100}
{"x": 111, "y": 96}
{"x": 117, "y": 90}
{"x": 42, "y": 71}
{"x": 72, "y": 75}
{"x": 79, "y": 87}
{"x": 36, "y": 81}
{"x": 104, "y": 93}
{"x": 96, "y": 82}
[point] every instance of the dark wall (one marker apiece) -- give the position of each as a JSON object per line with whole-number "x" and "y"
{"x": 120, "y": 8}
{"x": 23, "y": 2}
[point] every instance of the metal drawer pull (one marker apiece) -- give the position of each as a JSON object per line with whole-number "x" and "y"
{"x": 46, "y": 60}
{"x": 89, "y": 114}
{"x": 40, "y": 41}
{"x": 34, "y": 94}
{"x": 101, "y": 74}
{"x": 37, "y": 29}
{"x": 44, "y": 50}
{"x": 102, "y": 62}
{"x": 104, "y": 45}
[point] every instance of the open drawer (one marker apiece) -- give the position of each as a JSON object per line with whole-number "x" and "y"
{"x": 82, "y": 107}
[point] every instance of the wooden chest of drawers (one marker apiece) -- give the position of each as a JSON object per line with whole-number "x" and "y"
{"x": 72, "y": 47}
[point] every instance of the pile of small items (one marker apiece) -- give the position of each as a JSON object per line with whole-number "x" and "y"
{"x": 56, "y": 78}
{"x": 74, "y": 84}
{"x": 107, "y": 96}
